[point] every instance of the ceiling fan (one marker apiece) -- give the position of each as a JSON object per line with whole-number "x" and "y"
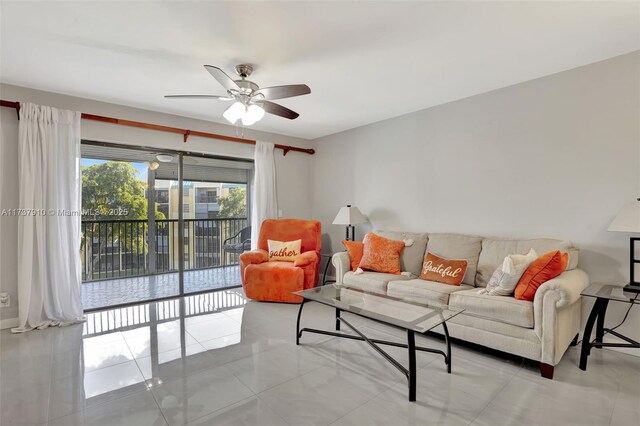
{"x": 251, "y": 101}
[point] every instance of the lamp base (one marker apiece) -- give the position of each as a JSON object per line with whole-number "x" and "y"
{"x": 632, "y": 288}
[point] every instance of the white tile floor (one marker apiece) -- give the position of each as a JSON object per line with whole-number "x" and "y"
{"x": 211, "y": 359}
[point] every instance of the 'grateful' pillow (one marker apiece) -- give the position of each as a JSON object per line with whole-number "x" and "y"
{"x": 355, "y": 250}
{"x": 441, "y": 270}
{"x": 284, "y": 250}
{"x": 543, "y": 269}
{"x": 505, "y": 278}
{"x": 381, "y": 254}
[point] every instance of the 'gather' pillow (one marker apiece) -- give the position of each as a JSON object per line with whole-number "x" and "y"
{"x": 546, "y": 267}
{"x": 381, "y": 254}
{"x": 505, "y": 278}
{"x": 355, "y": 250}
{"x": 284, "y": 250}
{"x": 441, "y": 270}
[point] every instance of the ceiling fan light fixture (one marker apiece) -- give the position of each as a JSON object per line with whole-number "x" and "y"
{"x": 251, "y": 100}
{"x": 164, "y": 158}
{"x": 235, "y": 112}
{"x": 254, "y": 113}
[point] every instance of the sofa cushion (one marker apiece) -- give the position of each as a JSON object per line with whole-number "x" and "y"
{"x": 371, "y": 281}
{"x": 424, "y": 291}
{"x": 495, "y": 250}
{"x": 412, "y": 256}
{"x": 498, "y": 308}
{"x": 457, "y": 246}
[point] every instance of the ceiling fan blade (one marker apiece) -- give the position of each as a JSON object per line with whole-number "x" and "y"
{"x": 222, "y": 98}
{"x": 226, "y": 81}
{"x": 281, "y": 92}
{"x": 277, "y": 109}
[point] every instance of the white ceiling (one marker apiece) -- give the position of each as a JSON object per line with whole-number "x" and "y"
{"x": 364, "y": 61}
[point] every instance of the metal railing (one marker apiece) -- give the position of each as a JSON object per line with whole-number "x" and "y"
{"x": 120, "y": 248}
{"x": 135, "y": 316}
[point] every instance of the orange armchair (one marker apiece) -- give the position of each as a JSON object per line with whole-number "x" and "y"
{"x": 274, "y": 281}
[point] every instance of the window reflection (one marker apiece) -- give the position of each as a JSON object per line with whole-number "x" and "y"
{"x": 124, "y": 348}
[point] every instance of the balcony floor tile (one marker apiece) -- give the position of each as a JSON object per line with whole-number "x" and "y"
{"x": 99, "y": 294}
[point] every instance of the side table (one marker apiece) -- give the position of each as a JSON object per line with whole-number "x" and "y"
{"x": 603, "y": 294}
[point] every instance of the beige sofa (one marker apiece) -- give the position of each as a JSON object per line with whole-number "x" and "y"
{"x": 541, "y": 330}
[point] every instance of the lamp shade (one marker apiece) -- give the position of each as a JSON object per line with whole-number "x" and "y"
{"x": 349, "y": 215}
{"x": 628, "y": 220}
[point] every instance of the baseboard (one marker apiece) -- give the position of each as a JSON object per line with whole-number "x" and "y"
{"x": 628, "y": 351}
{"x": 8, "y": 323}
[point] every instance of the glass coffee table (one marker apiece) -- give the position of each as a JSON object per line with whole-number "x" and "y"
{"x": 411, "y": 316}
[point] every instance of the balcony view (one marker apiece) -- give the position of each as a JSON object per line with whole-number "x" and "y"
{"x": 132, "y": 246}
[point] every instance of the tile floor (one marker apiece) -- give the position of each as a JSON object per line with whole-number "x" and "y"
{"x": 100, "y": 294}
{"x": 215, "y": 359}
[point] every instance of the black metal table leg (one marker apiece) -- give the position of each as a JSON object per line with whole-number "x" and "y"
{"x": 324, "y": 275}
{"x": 600, "y": 321}
{"x": 448, "y": 342}
{"x": 411, "y": 345}
{"x": 298, "y": 332}
{"x": 410, "y": 373}
{"x": 586, "y": 337}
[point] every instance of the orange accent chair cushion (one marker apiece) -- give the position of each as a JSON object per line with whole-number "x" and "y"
{"x": 284, "y": 250}
{"x": 381, "y": 254}
{"x": 275, "y": 281}
{"x": 545, "y": 268}
{"x": 355, "y": 250}
{"x": 441, "y": 270}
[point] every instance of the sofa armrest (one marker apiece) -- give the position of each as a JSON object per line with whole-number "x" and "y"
{"x": 565, "y": 289}
{"x": 557, "y": 313}
{"x": 254, "y": 256}
{"x": 306, "y": 259}
{"x": 342, "y": 263}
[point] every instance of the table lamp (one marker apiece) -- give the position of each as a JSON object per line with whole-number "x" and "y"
{"x": 349, "y": 216}
{"x": 628, "y": 220}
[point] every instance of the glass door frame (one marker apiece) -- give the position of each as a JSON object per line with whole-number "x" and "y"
{"x": 151, "y": 199}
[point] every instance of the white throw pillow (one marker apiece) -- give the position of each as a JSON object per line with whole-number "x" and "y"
{"x": 284, "y": 250}
{"x": 505, "y": 278}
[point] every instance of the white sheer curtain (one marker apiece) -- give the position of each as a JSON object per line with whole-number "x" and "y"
{"x": 264, "y": 203}
{"x": 49, "y": 274}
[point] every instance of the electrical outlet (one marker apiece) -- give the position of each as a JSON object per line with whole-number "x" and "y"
{"x": 280, "y": 214}
{"x": 5, "y": 300}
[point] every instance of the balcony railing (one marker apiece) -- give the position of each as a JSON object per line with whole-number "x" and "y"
{"x": 120, "y": 248}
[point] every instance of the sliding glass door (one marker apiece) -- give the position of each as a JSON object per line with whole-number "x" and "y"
{"x": 181, "y": 225}
{"x": 214, "y": 210}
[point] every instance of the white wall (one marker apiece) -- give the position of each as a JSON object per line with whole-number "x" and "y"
{"x": 293, "y": 176}
{"x": 554, "y": 157}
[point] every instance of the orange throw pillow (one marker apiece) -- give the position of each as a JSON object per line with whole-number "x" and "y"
{"x": 381, "y": 254}
{"x": 543, "y": 269}
{"x": 355, "y": 250}
{"x": 441, "y": 270}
